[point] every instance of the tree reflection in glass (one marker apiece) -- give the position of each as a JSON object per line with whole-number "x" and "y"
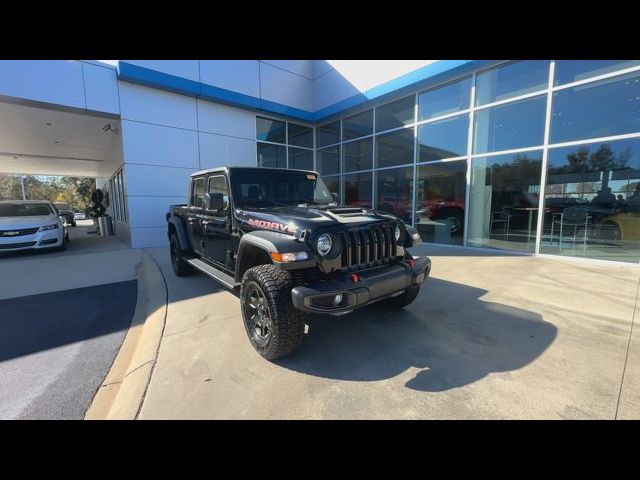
{"x": 592, "y": 201}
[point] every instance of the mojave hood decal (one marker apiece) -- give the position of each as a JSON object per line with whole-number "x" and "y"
{"x": 278, "y": 227}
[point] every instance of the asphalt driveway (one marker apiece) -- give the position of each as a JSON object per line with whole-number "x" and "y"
{"x": 56, "y": 348}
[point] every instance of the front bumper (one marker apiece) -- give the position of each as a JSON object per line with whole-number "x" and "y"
{"x": 372, "y": 285}
{"x": 38, "y": 240}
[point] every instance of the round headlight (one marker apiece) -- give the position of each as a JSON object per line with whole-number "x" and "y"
{"x": 397, "y": 233}
{"x": 324, "y": 244}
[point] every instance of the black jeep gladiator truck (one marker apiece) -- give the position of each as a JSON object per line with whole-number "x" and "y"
{"x": 281, "y": 237}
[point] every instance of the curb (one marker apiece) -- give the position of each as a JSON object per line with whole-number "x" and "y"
{"x": 123, "y": 390}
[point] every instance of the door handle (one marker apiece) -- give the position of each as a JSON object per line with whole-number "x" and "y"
{"x": 206, "y": 222}
{"x": 191, "y": 219}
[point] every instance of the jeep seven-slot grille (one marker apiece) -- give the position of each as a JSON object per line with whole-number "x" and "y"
{"x": 367, "y": 246}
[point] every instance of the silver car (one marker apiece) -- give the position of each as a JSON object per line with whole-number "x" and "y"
{"x": 31, "y": 224}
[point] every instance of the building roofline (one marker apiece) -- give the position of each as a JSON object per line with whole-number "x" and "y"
{"x": 261, "y": 169}
{"x": 440, "y": 71}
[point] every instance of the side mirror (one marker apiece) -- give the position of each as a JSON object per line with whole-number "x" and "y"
{"x": 336, "y": 197}
{"x": 214, "y": 201}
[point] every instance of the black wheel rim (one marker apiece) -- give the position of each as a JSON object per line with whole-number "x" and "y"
{"x": 256, "y": 314}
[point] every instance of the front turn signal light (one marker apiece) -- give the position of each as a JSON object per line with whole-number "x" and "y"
{"x": 289, "y": 257}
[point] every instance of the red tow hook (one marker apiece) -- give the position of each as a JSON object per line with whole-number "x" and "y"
{"x": 355, "y": 278}
{"x": 412, "y": 263}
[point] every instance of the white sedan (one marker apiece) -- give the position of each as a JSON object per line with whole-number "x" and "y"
{"x": 30, "y": 224}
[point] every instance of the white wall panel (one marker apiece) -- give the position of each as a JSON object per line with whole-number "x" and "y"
{"x": 226, "y": 120}
{"x": 286, "y": 88}
{"x": 150, "y": 211}
{"x": 332, "y": 88}
{"x": 300, "y": 67}
{"x": 320, "y": 67}
{"x": 50, "y": 81}
{"x": 237, "y": 75}
{"x": 156, "y": 145}
{"x": 101, "y": 88}
{"x": 219, "y": 150}
{"x": 157, "y": 106}
{"x": 153, "y": 180}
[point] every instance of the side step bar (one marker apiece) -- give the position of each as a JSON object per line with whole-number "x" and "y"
{"x": 226, "y": 280}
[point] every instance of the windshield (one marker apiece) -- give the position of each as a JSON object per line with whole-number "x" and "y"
{"x": 268, "y": 188}
{"x": 24, "y": 209}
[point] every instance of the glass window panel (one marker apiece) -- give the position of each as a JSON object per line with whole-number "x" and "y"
{"x": 511, "y": 80}
{"x": 592, "y": 201}
{"x": 198, "y": 193}
{"x": 600, "y": 109}
{"x": 357, "y": 189}
{"x": 443, "y": 138}
{"x": 394, "y": 192}
{"x": 513, "y": 125}
{"x": 395, "y": 114}
{"x": 300, "y": 159}
{"x": 270, "y": 130}
{"x": 273, "y": 156}
{"x": 328, "y": 160}
{"x": 123, "y": 202}
{"x": 333, "y": 184}
{"x": 443, "y": 100}
{"x": 218, "y": 184}
{"x": 300, "y": 136}
{"x": 358, "y": 155}
{"x": 328, "y": 134}
{"x": 440, "y": 199}
{"x": 503, "y": 201}
{"x": 395, "y": 148}
{"x": 116, "y": 196}
{"x": 357, "y": 126}
{"x": 568, "y": 71}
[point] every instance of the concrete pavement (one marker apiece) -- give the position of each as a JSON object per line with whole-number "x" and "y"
{"x": 490, "y": 336}
{"x": 89, "y": 260}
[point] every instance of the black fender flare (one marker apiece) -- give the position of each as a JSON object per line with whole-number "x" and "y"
{"x": 409, "y": 240}
{"x": 272, "y": 242}
{"x": 177, "y": 224}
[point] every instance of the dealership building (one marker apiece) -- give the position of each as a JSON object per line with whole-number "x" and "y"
{"x": 536, "y": 157}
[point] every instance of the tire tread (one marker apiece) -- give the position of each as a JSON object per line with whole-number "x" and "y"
{"x": 288, "y": 330}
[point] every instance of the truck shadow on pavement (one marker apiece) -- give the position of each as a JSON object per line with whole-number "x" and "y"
{"x": 449, "y": 332}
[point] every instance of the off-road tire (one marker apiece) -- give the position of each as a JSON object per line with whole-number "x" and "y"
{"x": 180, "y": 266}
{"x": 401, "y": 301}
{"x": 287, "y": 329}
